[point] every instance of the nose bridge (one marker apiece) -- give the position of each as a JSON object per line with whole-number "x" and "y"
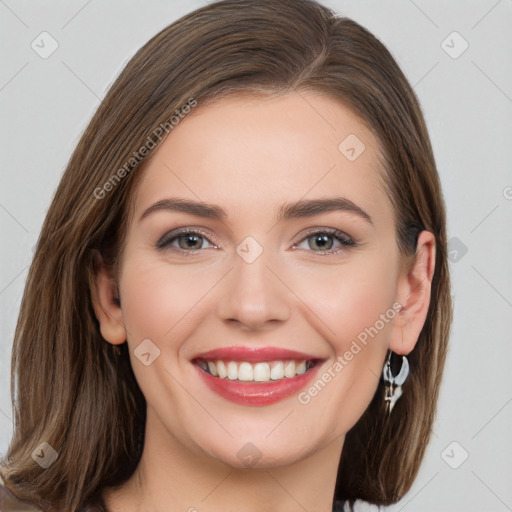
{"x": 253, "y": 296}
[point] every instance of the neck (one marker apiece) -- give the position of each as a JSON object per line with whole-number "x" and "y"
{"x": 170, "y": 477}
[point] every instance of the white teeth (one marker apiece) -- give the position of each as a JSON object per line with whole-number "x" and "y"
{"x": 212, "y": 368}
{"x": 245, "y": 372}
{"x": 232, "y": 371}
{"x": 277, "y": 371}
{"x": 262, "y": 372}
{"x": 289, "y": 369}
{"x": 221, "y": 369}
{"x": 257, "y": 372}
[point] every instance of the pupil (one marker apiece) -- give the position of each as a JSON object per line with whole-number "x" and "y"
{"x": 190, "y": 240}
{"x": 324, "y": 239}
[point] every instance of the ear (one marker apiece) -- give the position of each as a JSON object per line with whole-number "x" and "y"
{"x": 413, "y": 294}
{"x": 106, "y": 304}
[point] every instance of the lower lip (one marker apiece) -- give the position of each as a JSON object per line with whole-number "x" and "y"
{"x": 257, "y": 393}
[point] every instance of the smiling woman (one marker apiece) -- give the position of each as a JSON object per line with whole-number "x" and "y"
{"x": 255, "y": 315}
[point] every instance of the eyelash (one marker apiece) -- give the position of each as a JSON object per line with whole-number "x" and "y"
{"x": 166, "y": 241}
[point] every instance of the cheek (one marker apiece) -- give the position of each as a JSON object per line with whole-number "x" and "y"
{"x": 352, "y": 309}
{"x": 346, "y": 299}
{"x": 161, "y": 303}
{"x": 147, "y": 300}
{"x": 158, "y": 297}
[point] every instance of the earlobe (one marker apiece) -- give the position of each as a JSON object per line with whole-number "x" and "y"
{"x": 106, "y": 303}
{"x": 414, "y": 293}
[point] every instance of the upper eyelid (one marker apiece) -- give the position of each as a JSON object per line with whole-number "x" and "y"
{"x": 175, "y": 233}
{"x": 330, "y": 231}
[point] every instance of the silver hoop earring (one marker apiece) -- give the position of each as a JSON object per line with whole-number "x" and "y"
{"x": 394, "y": 382}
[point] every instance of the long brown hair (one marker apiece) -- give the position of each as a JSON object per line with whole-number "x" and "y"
{"x": 72, "y": 389}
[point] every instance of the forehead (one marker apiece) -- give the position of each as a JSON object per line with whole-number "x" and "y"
{"x": 251, "y": 153}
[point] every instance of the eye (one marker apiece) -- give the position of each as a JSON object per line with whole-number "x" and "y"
{"x": 322, "y": 241}
{"x": 185, "y": 239}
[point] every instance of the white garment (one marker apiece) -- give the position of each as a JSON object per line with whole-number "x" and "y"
{"x": 363, "y": 506}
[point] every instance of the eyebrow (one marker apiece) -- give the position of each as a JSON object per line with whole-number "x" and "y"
{"x": 302, "y": 208}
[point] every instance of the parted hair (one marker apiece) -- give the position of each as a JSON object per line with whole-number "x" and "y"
{"x": 78, "y": 393}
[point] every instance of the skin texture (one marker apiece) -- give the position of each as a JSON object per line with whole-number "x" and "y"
{"x": 250, "y": 155}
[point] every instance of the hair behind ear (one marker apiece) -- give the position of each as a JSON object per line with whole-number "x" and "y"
{"x": 75, "y": 391}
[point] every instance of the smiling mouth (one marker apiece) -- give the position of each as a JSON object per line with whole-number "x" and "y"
{"x": 265, "y": 371}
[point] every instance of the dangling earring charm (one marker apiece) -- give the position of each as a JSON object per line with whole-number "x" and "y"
{"x": 394, "y": 382}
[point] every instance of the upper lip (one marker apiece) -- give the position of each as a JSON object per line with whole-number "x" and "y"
{"x": 254, "y": 354}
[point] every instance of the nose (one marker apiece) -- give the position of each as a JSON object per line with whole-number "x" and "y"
{"x": 253, "y": 298}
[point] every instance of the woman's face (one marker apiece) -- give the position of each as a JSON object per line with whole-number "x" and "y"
{"x": 289, "y": 264}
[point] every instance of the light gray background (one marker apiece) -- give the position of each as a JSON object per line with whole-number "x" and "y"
{"x": 46, "y": 104}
